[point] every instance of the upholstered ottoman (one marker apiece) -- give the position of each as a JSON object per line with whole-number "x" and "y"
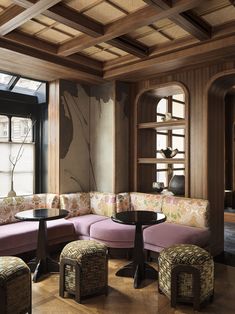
{"x": 84, "y": 269}
{"x": 15, "y": 286}
{"x": 186, "y": 273}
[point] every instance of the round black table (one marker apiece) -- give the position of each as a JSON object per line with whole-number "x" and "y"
{"x": 138, "y": 269}
{"x": 42, "y": 264}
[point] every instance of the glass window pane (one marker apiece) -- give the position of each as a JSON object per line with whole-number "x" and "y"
{"x": 28, "y": 84}
{"x": 161, "y": 166}
{"x": 179, "y": 97}
{"x": 178, "y": 131}
{"x": 4, "y": 128}
{"x": 21, "y": 130}
{"x": 178, "y": 110}
{"x": 176, "y": 167}
{"x": 161, "y": 176}
{"x": 24, "y": 169}
{"x": 161, "y": 143}
{"x": 162, "y": 106}
{"x": 5, "y": 78}
{"x": 178, "y": 142}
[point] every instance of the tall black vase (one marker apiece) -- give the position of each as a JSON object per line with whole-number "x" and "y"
{"x": 177, "y": 185}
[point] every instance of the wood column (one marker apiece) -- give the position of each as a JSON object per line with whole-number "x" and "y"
{"x": 54, "y": 138}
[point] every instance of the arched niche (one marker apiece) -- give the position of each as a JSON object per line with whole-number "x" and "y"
{"x": 217, "y": 90}
{"x": 145, "y": 158}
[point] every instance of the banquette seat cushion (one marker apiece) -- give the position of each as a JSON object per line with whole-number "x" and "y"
{"x": 113, "y": 234}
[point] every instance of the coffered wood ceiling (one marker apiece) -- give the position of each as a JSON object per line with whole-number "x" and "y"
{"x": 98, "y": 40}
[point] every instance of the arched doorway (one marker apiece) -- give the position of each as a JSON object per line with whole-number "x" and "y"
{"x": 218, "y": 88}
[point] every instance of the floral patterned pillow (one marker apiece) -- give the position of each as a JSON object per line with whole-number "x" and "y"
{"x": 103, "y": 203}
{"x": 7, "y": 210}
{"x": 76, "y": 204}
{"x": 145, "y": 201}
{"x": 123, "y": 202}
{"x": 187, "y": 211}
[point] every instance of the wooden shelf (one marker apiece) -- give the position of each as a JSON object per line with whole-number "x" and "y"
{"x": 161, "y": 160}
{"x": 165, "y": 125}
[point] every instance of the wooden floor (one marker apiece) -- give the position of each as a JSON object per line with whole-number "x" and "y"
{"x": 124, "y": 299}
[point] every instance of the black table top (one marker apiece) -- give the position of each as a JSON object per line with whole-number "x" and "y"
{"x": 41, "y": 214}
{"x": 142, "y": 217}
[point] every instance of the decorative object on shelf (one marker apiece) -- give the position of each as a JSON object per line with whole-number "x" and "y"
{"x": 167, "y": 117}
{"x": 158, "y": 186}
{"x": 177, "y": 185}
{"x": 169, "y": 152}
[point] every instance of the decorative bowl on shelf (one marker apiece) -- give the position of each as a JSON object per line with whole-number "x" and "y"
{"x": 169, "y": 152}
{"x": 158, "y": 186}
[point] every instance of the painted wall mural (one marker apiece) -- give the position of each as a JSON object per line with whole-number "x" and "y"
{"x": 74, "y": 140}
{"x": 94, "y": 137}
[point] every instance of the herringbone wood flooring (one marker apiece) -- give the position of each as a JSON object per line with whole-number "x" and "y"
{"x": 124, "y": 299}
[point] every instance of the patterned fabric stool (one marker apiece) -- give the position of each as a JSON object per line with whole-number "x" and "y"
{"x": 15, "y": 286}
{"x": 84, "y": 269}
{"x": 186, "y": 274}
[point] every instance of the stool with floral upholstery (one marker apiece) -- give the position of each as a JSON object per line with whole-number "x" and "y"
{"x": 186, "y": 274}
{"x": 84, "y": 269}
{"x": 15, "y": 286}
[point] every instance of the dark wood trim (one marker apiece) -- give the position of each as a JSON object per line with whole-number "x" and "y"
{"x": 142, "y": 17}
{"x": 86, "y": 72}
{"x": 197, "y": 53}
{"x": 39, "y": 7}
{"x": 189, "y": 21}
{"x": 130, "y": 45}
{"x": 21, "y": 38}
{"x": 9, "y": 13}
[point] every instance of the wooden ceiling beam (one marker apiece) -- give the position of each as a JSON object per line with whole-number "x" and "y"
{"x": 69, "y": 17}
{"x": 196, "y": 53}
{"x": 9, "y": 13}
{"x": 26, "y": 15}
{"x": 142, "y": 17}
{"x": 189, "y": 21}
{"x": 43, "y": 55}
{"x": 20, "y": 38}
{"x": 130, "y": 45}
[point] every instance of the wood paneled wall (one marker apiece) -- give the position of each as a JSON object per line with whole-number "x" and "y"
{"x": 204, "y": 145}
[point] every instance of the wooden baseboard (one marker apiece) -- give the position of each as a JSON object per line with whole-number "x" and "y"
{"x": 229, "y": 217}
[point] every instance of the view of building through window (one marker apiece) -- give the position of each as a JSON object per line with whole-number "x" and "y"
{"x": 16, "y": 138}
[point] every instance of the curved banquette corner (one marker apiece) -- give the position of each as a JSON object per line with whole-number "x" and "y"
{"x": 89, "y": 217}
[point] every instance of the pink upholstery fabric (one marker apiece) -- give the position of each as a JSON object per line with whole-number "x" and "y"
{"x": 113, "y": 234}
{"x": 22, "y": 236}
{"x": 83, "y": 223}
{"x": 163, "y": 235}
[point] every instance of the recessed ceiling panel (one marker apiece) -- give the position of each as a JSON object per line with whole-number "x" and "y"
{"x": 104, "y": 56}
{"x": 67, "y": 30}
{"x": 105, "y": 13}
{"x": 141, "y": 32}
{"x": 5, "y": 3}
{"x": 81, "y": 4}
{"x": 175, "y": 32}
{"x": 53, "y": 36}
{"x": 224, "y": 15}
{"x": 31, "y": 27}
{"x": 129, "y": 5}
{"x": 153, "y": 39}
{"x": 45, "y": 20}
